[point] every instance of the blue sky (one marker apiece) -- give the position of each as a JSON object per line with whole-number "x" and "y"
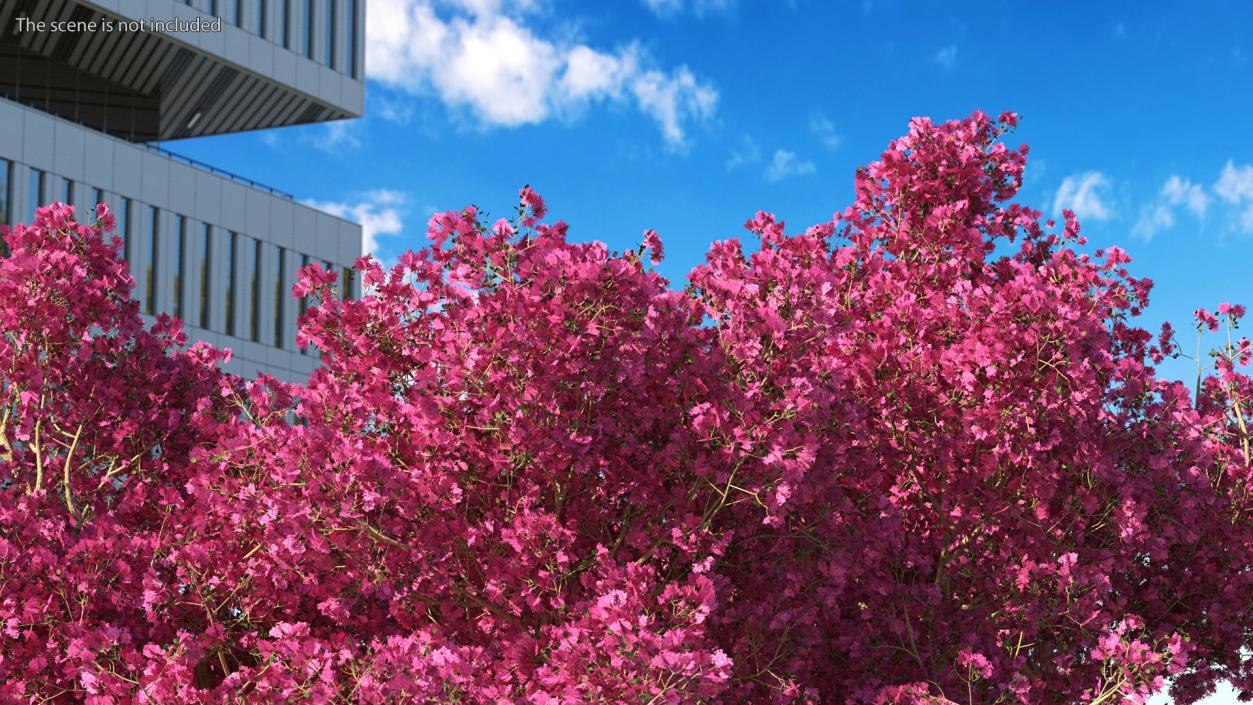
{"x": 689, "y": 115}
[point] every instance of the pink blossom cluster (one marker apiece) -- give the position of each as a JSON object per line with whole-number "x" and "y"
{"x": 917, "y": 454}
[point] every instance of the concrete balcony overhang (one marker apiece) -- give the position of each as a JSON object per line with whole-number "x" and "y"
{"x": 146, "y": 86}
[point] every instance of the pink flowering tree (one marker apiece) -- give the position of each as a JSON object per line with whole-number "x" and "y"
{"x": 918, "y": 454}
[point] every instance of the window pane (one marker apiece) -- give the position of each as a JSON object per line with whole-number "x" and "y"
{"x": 230, "y": 283}
{"x": 68, "y": 192}
{"x": 254, "y": 319}
{"x": 36, "y": 192}
{"x": 179, "y": 239}
{"x": 205, "y": 272}
{"x": 124, "y": 228}
{"x": 262, "y": 28}
{"x": 304, "y": 300}
{"x": 284, "y": 20}
{"x": 280, "y": 263}
{"x": 154, "y": 218}
{"x": 309, "y": 6}
{"x": 352, "y": 38}
{"x": 330, "y": 33}
{"x": 6, "y": 174}
{"x": 346, "y": 283}
{"x": 239, "y": 13}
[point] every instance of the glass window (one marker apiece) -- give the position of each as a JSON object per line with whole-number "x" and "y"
{"x": 304, "y": 300}
{"x": 309, "y": 5}
{"x": 124, "y": 227}
{"x": 330, "y": 32}
{"x": 239, "y": 13}
{"x": 284, "y": 21}
{"x": 154, "y": 251}
{"x": 6, "y": 175}
{"x": 280, "y": 263}
{"x": 179, "y": 241}
{"x": 36, "y": 195}
{"x": 346, "y": 280}
{"x": 213, "y": 8}
{"x": 205, "y": 271}
{"x": 262, "y": 17}
{"x": 254, "y": 317}
{"x": 352, "y": 38}
{"x": 67, "y": 192}
{"x": 230, "y": 282}
{"x": 97, "y": 197}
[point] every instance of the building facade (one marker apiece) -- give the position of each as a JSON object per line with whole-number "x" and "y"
{"x": 87, "y": 89}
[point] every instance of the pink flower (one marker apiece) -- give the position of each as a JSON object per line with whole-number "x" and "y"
{"x": 1205, "y": 319}
{"x": 653, "y": 243}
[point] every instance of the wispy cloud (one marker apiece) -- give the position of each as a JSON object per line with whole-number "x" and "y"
{"x": 1160, "y": 215}
{"x": 946, "y": 57}
{"x": 785, "y": 164}
{"x": 378, "y": 211}
{"x": 746, "y": 152}
{"x": 1180, "y": 191}
{"x": 338, "y": 136}
{"x": 671, "y": 8}
{"x": 824, "y": 130}
{"x": 1086, "y": 195}
{"x": 1235, "y": 187}
{"x": 485, "y": 58}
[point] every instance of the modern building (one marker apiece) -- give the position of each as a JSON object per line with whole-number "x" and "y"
{"x": 89, "y": 89}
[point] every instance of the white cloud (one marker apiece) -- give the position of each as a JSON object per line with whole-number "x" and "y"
{"x": 1235, "y": 187}
{"x": 822, "y": 128}
{"x": 1082, "y": 193}
{"x": 1180, "y": 191}
{"x": 483, "y": 57}
{"x": 785, "y": 164}
{"x": 665, "y": 8}
{"x": 947, "y": 57}
{"x": 1235, "y": 184}
{"x": 1175, "y": 192}
{"x": 746, "y": 152}
{"x": 673, "y": 99}
{"x": 1153, "y": 219}
{"x": 337, "y": 136}
{"x": 377, "y": 211}
{"x": 700, "y": 8}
